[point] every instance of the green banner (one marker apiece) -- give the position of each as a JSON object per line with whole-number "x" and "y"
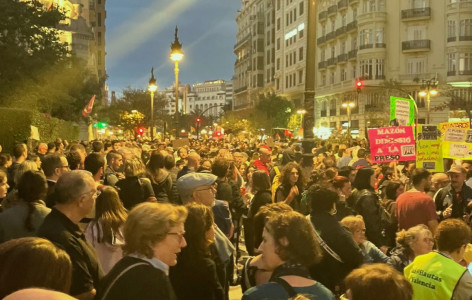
{"x": 402, "y": 110}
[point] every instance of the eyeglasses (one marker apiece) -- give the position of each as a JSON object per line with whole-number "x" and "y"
{"x": 180, "y": 235}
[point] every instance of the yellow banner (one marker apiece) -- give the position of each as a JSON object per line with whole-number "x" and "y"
{"x": 456, "y": 140}
{"x": 428, "y": 148}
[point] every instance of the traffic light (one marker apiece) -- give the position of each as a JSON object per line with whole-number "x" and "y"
{"x": 359, "y": 84}
{"x": 198, "y": 120}
{"x": 140, "y": 130}
{"x": 100, "y": 125}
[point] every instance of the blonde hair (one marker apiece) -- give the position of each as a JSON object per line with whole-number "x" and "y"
{"x": 353, "y": 223}
{"x": 134, "y": 167}
{"x": 149, "y": 223}
{"x": 406, "y": 237}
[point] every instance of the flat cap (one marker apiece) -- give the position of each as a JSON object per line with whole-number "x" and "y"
{"x": 189, "y": 182}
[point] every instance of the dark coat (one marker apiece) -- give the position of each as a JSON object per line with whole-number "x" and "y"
{"x": 329, "y": 271}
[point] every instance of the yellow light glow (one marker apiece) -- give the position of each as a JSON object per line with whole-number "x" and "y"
{"x": 433, "y": 92}
{"x": 177, "y": 56}
{"x": 422, "y": 93}
{"x": 152, "y": 87}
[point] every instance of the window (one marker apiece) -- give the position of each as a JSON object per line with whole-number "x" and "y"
{"x": 300, "y": 34}
{"x": 331, "y": 77}
{"x": 416, "y": 65}
{"x": 278, "y": 23}
{"x": 343, "y": 20}
{"x": 418, "y": 3}
{"x": 416, "y": 33}
{"x": 465, "y": 27}
{"x": 366, "y": 69}
{"x": 300, "y": 53}
{"x": 451, "y": 62}
{"x": 278, "y": 64}
{"x": 369, "y": 6}
{"x": 268, "y": 57}
{"x": 300, "y": 10}
{"x": 343, "y": 75}
{"x": 379, "y": 35}
{"x": 294, "y": 14}
{"x": 379, "y": 68}
{"x": 278, "y": 44}
{"x": 99, "y": 38}
{"x": 278, "y": 4}
{"x": 342, "y": 47}
{"x": 323, "y": 55}
{"x": 451, "y": 28}
{"x": 99, "y": 19}
{"x": 333, "y": 52}
{"x": 300, "y": 76}
{"x": 465, "y": 62}
{"x": 323, "y": 30}
{"x": 286, "y": 60}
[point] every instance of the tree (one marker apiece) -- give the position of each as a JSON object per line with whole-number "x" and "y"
{"x": 272, "y": 111}
{"x": 136, "y": 99}
{"x": 37, "y": 71}
{"x": 459, "y": 102}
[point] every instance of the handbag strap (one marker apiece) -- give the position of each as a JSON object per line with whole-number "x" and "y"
{"x": 327, "y": 248}
{"x": 287, "y": 287}
{"x": 118, "y": 277}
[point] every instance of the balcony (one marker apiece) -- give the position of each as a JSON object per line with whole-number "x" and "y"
{"x": 241, "y": 89}
{"x": 242, "y": 42}
{"x": 321, "y": 40}
{"x": 331, "y": 36}
{"x": 379, "y": 77}
{"x": 340, "y": 31}
{"x": 465, "y": 72}
{"x": 465, "y": 38}
{"x": 351, "y": 26}
{"x": 463, "y": 5}
{"x": 451, "y": 39}
{"x": 332, "y": 61}
{"x": 451, "y": 73}
{"x": 416, "y": 45}
{"x": 322, "y": 64}
{"x": 332, "y": 112}
{"x": 342, "y": 58}
{"x": 380, "y": 45}
{"x": 366, "y": 46}
{"x": 352, "y": 54}
{"x": 322, "y": 15}
{"x": 416, "y": 13}
{"x": 342, "y": 4}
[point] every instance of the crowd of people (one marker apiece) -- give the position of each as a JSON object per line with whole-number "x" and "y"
{"x": 149, "y": 220}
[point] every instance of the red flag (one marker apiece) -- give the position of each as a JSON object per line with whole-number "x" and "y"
{"x": 88, "y": 108}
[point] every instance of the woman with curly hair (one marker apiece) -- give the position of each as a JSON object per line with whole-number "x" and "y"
{"x": 288, "y": 247}
{"x": 195, "y": 276}
{"x": 291, "y": 189}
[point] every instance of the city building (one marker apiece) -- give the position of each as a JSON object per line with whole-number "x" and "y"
{"x": 84, "y": 32}
{"x": 208, "y": 98}
{"x": 394, "y": 47}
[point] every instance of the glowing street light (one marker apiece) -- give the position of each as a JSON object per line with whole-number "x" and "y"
{"x": 152, "y": 87}
{"x": 349, "y": 106}
{"x": 428, "y": 89}
{"x": 176, "y": 55}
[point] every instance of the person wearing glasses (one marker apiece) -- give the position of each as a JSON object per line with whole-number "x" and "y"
{"x": 54, "y": 166}
{"x": 201, "y": 188}
{"x": 76, "y": 195}
{"x": 154, "y": 235}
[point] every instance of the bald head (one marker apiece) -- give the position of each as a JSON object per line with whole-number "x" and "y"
{"x": 439, "y": 181}
{"x": 71, "y": 185}
{"x": 42, "y": 148}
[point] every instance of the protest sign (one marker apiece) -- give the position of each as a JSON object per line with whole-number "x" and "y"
{"x": 403, "y": 110}
{"x": 392, "y": 144}
{"x": 457, "y": 138}
{"x": 428, "y": 148}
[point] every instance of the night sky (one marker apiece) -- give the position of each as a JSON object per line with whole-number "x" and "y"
{"x": 139, "y": 34}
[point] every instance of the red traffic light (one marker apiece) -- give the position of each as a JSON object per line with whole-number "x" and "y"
{"x": 198, "y": 120}
{"x": 359, "y": 84}
{"x": 140, "y": 130}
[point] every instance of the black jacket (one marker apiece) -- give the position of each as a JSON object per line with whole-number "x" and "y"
{"x": 367, "y": 204}
{"x": 329, "y": 271}
{"x": 447, "y": 196}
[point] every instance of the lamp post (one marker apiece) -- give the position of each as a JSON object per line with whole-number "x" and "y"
{"x": 428, "y": 89}
{"x": 152, "y": 87}
{"x": 176, "y": 55}
{"x": 302, "y": 113}
{"x": 349, "y": 106}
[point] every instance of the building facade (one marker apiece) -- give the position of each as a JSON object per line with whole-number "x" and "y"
{"x": 208, "y": 98}
{"x": 392, "y": 46}
{"x": 84, "y": 32}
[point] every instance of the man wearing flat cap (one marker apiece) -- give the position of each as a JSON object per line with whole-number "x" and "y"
{"x": 454, "y": 201}
{"x": 201, "y": 188}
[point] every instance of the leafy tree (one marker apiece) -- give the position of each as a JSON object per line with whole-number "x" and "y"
{"x": 37, "y": 71}
{"x": 272, "y": 111}
{"x": 136, "y": 99}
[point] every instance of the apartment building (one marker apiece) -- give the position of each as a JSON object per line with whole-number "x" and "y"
{"x": 84, "y": 32}
{"x": 393, "y": 46}
{"x": 208, "y": 98}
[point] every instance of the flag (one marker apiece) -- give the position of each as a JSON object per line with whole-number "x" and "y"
{"x": 88, "y": 108}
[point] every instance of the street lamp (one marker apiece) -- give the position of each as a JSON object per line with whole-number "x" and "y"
{"x": 152, "y": 87}
{"x": 176, "y": 55}
{"x": 349, "y": 106}
{"x": 428, "y": 89}
{"x": 302, "y": 113}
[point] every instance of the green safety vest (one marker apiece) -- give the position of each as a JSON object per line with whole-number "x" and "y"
{"x": 433, "y": 276}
